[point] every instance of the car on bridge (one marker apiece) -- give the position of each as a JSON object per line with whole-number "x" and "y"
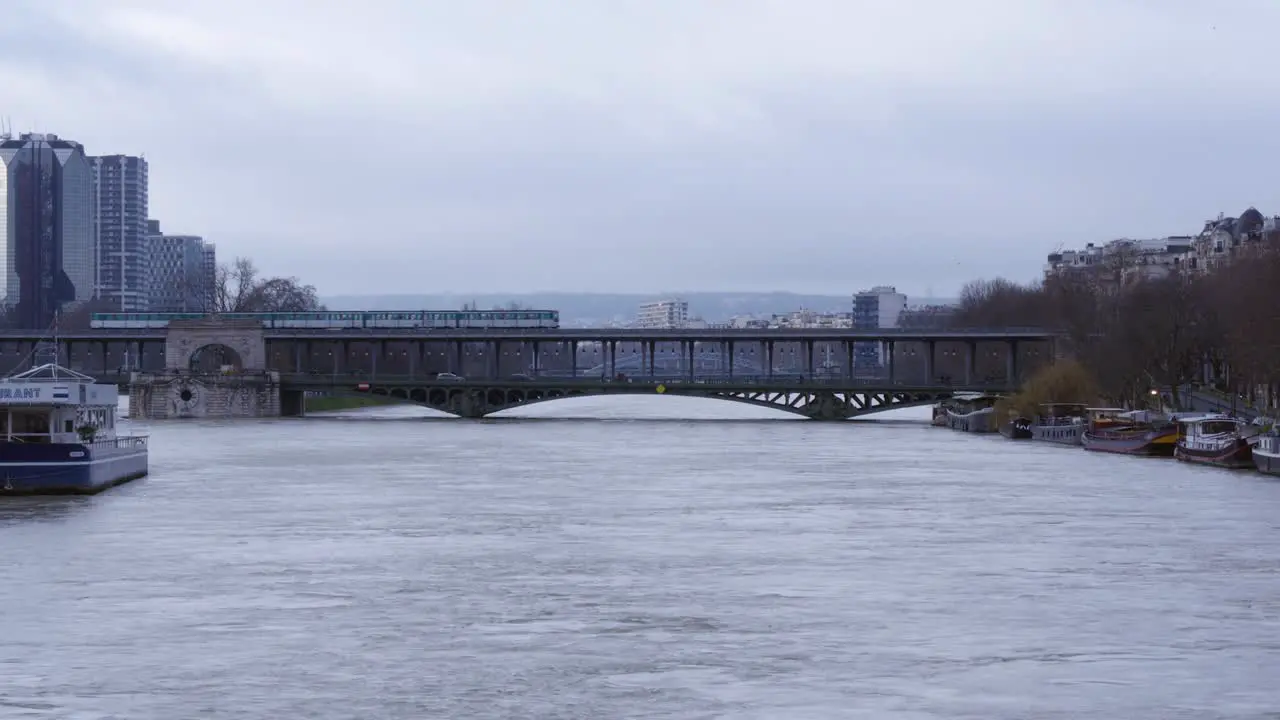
{"x": 448, "y": 377}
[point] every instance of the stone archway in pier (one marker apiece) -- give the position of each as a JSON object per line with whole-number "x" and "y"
{"x": 194, "y": 344}
{"x": 215, "y": 358}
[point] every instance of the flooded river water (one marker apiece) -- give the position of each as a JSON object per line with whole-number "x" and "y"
{"x": 644, "y": 558}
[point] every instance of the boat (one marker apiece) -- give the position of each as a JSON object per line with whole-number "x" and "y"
{"x": 1061, "y": 423}
{"x": 1216, "y": 440}
{"x": 941, "y": 408}
{"x": 974, "y": 414}
{"x": 1129, "y": 432}
{"x": 939, "y": 418}
{"x": 1016, "y": 428}
{"x": 1266, "y": 453}
{"x": 58, "y": 435}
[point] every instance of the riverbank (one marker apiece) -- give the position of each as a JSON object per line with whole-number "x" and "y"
{"x": 334, "y": 403}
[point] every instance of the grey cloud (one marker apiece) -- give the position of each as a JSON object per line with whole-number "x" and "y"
{"x": 809, "y": 179}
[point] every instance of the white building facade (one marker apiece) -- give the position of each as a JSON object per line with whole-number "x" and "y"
{"x": 663, "y": 315}
{"x": 120, "y": 198}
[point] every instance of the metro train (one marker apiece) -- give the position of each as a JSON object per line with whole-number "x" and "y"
{"x": 350, "y": 320}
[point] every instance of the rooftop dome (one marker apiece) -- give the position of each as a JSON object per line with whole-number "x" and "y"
{"x": 1250, "y": 221}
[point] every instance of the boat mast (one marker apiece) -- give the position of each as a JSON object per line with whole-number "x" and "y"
{"x": 56, "y": 353}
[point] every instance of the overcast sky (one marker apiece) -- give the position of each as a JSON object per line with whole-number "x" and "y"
{"x": 651, "y": 145}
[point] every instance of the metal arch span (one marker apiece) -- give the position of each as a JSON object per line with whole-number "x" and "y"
{"x": 814, "y": 401}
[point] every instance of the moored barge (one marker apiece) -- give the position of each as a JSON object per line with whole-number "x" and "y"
{"x": 1215, "y": 440}
{"x": 975, "y": 414}
{"x": 1060, "y": 423}
{"x": 1130, "y": 432}
{"x": 1266, "y": 453}
{"x": 58, "y": 435}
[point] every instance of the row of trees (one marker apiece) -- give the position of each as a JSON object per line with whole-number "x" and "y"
{"x": 1154, "y": 333}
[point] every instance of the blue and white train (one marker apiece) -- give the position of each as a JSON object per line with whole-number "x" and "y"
{"x": 351, "y": 320}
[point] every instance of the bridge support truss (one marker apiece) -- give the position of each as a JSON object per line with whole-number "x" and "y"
{"x": 817, "y": 401}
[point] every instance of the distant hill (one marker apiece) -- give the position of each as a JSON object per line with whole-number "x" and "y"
{"x": 594, "y": 309}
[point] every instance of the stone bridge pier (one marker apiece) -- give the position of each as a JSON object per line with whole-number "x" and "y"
{"x": 214, "y": 368}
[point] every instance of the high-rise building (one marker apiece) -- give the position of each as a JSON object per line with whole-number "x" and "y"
{"x": 663, "y": 314}
{"x": 46, "y": 227}
{"x": 179, "y": 281}
{"x": 874, "y": 309}
{"x": 210, "y": 262}
{"x": 120, "y": 231}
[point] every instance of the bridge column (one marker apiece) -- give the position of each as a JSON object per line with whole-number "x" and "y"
{"x": 573, "y": 357}
{"x": 1011, "y": 364}
{"x": 537, "y": 357}
{"x": 970, "y": 351}
{"x": 732, "y": 353}
{"x": 930, "y": 348}
{"x": 893, "y": 351}
{"x": 653, "y": 367}
{"x": 456, "y": 365}
{"x": 297, "y": 354}
{"x": 808, "y": 349}
{"x": 613, "y": 358}
{"x": 769, "y": 353}
{"x": 493, "y": 363}
{"x": 693, "y": 365}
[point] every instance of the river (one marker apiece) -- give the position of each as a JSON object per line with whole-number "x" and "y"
{"x": 604, "y": 558}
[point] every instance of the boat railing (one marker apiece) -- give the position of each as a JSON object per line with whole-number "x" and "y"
{"x": 1124, "y": 431}
{"x": 123, "y": 441}
{"x": 1060, "y": 420}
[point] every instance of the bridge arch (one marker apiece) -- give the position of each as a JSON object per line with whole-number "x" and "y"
{"x": 812, "y": 402}
{"x": 212, "y": 358}
{"x": 188, "y": 344}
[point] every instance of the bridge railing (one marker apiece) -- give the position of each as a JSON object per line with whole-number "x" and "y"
{"x": 776, "y": 379}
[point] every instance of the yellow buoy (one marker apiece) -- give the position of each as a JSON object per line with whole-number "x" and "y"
{"x": 662, "y": 389}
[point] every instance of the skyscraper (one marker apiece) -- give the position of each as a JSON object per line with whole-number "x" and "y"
{"x": 46, "y": 227}
{"x": 180, "y": 280}
{"x": 210, "y": 263}
{"x": 120, "y": 231}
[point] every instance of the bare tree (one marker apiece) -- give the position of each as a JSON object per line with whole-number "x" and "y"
{"x": 79, "y": 317}
{"x": 239, "y": 287}
{"x": 999, "y": 303}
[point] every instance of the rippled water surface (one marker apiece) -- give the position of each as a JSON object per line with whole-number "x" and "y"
{"x": 401, "y": 567}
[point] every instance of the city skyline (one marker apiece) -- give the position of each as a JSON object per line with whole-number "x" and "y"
{"x": 76, "y": 234}
{"x": 806, "y": 147}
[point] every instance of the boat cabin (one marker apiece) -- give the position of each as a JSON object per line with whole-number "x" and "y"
{"x": 1208, "y": 432}
{"x": 51, "y": 404}
{"x": 1063, "y": 413}
{"x": 1107, "y": 417}
{"x": 977, "y": 402}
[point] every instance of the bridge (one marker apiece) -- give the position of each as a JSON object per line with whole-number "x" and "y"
{"x": 816, "y": 398}
{"x": 817, "y": 373}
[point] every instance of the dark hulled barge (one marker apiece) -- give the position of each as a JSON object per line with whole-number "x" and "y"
{"x": 1215, "y": 440}
{"x": 1130, "y": 432}
{"x": 58, "y": 435}
{"x": 1016, "y": 428}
